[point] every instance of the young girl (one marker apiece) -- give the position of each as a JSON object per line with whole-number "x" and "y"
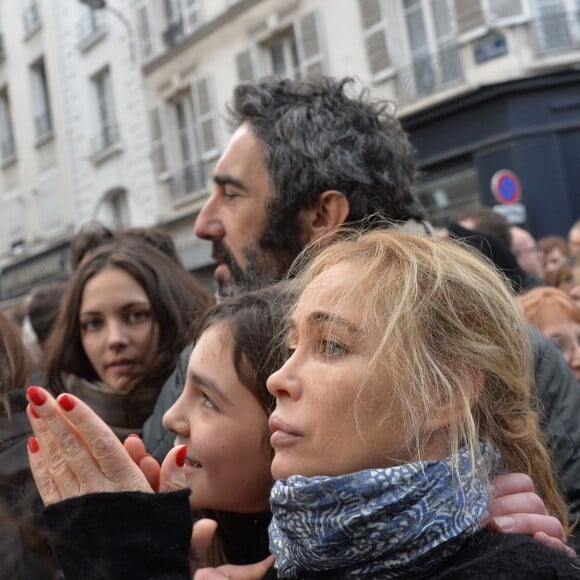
{"x": 121, "y": 326}
{"x": 415, "y": 405}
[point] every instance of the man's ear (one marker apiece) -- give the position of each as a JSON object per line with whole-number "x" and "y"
{"x": 330, "y": 211}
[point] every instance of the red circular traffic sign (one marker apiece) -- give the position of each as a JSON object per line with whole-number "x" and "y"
{"x": 506, "y": 186}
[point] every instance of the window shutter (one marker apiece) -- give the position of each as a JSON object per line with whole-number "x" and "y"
{"x": 505, "y": 8}
{"x": 205, "y": 117}
{"x": 193, "y": 14}
{"x": 374, "y": 34}
{"x": 245, "y": 66}
{"x": 469, "y": 15}
{"x": 158, "y": 141}
{"x": 309, "y": 50}
{"x": 49, "y": 200}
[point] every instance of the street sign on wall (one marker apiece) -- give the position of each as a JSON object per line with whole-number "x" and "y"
{"x": 506, "y": 187}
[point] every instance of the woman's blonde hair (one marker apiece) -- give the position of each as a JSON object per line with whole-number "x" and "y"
{"x": 451, "y": 334}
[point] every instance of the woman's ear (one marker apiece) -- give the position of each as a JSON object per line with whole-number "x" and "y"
{"x": 330, "y": 211}
{"x": 448, "y": 414}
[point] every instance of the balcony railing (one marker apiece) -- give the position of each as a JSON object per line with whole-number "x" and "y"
{"x": 43, "y": 124}
{"x": 7, "y": 150}
{"x": 188, "y": 179}
{"x": 556, "y": 32}
{"x": 429, "y": 74}
{"x": 107, "y": 137}
{"x": 31, "y": 18}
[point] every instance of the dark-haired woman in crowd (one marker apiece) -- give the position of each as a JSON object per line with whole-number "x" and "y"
{"x": 122, "y": 324}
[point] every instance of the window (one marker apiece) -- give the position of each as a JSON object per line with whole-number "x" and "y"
{"x": 7, "y": 146}
{"x": 30, "y": 17}
{"x": 91, "y": 26}
{"x": 42, "y": 116}
{"x": 2, "y": 49}
{"x": 112, "y": 210}
{"x": 145, "y": 28}
{"x": 183, "y": 17}
{"x": 14, "y": 223}
{"x": 557, "y": 25}
{"x": 434, "y": 56}
{"x": 50, "y": 202}
{"x": 297, "y": 52}
{"x": 107, "y": 130}
{"x": 193, "y": 122}
{"x": 374, "y": 34}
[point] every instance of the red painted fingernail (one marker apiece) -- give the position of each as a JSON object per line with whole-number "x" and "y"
{"x": 33, "y": 412}
{"x": 33, "y": 444}
{"x": 36, "y": 395}
{"x": 66, "y": 402}
{"x": 180, "y": 457}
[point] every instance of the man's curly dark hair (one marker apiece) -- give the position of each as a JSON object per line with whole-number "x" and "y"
{"x": 318, "y": 136}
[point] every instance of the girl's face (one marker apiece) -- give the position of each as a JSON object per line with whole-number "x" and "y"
{"x": 118, "y": 332}
{"x": 572, "y": 285}
{"x": 334, "y": 415}
{"x": 225, "y": 430}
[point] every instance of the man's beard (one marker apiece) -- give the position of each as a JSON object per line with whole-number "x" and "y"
{"x": 264, "y": 266}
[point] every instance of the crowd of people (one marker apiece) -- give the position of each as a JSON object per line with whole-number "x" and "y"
{"x": 368, "y": 397}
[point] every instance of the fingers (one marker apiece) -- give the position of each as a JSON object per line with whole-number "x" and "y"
{"x": 172, "y": 476}
{"x": 554, "y": 544}
{"x": 529, "y": 525}
{"x": 146, "y": 463}
{"x": 511, "y": 483}
{"x": 135, "y": 447}
{"x": 42, "y": 476}
{"x": 519, "y": 503}
{"x": 84, "y": 446}
{"x": 250, "y": 572}
{"x": 203, "y": 532}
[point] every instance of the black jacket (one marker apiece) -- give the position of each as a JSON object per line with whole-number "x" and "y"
{"x": 137, "y": 535}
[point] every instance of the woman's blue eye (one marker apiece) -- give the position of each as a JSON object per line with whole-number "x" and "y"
{"x": 332, "y": 349}
{"x": 88, "y": 325}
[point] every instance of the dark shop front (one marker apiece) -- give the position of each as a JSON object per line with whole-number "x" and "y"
{"x": 529, "y": 129}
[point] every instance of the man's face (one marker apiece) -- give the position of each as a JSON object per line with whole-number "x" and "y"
{"x": 235, "y": 219}
{"x": 574, "y": 241}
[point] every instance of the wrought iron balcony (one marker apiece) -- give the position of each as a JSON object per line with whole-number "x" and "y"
{"x": 429, "y": 73}
{"x": 187, "y": 180}
{"x": 556, "y": 32}
{"x": 107, "y": 137}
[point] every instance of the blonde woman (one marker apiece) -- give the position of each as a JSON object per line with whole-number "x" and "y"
{"x": 408, "y": 386}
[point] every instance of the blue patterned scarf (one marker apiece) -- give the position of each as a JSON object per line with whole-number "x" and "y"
{"x": 385, "y": 523}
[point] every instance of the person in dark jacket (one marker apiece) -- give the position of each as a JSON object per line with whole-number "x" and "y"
{"x": 408, "y": 385}
{"x": 24, "y": 553}
{"x": 307, "y": 157}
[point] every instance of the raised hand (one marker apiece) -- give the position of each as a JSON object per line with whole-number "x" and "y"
{"x": 74, "y": 452}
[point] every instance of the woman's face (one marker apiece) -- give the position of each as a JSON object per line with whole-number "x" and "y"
{"x": 118, "y": 332}
{"x": 551, "y": 262}
{"x": 225, "y": 430}
{"x": 564, "y": 332}
{"x": 319, "y": 427}
{"x": 572, "y": 285}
